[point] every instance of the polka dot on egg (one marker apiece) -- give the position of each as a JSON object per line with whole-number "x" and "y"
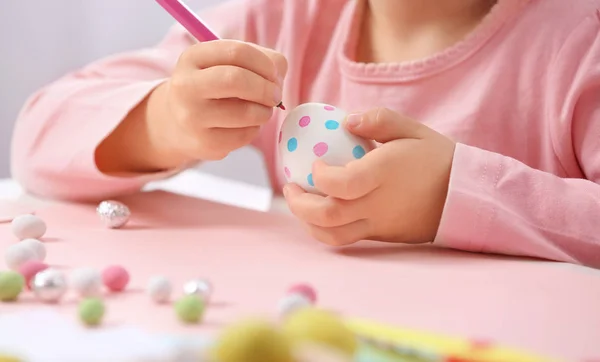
{"x": 320, "y": 149}
{"x": 292, "y": 144}
{"x": 329, "y": 108}
{"x": 310, "y": 180}
{"x": 358, "y": 152}
{"x": 304, "y": 121}
{"x": 287, "y": 172}
{"x": 331, "y": 124}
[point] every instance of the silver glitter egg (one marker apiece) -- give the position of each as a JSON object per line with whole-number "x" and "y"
{"x": 200, "y": 287}
{"x": 49, "y": 285}
{"x": 113, "y": 214}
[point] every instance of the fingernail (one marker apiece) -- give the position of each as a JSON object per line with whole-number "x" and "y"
{"x": 285, "y": 190}
{"x": 277, "y": 95}
{"x": 353, "y": 120}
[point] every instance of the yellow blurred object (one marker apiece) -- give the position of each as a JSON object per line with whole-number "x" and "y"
{"x": 317, "y": 326}
{"x": 252, "y": 341}
{"x": 458, "y": 348}
{"x": 5, "y": 358}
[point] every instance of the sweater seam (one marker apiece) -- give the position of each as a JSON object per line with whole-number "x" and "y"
{"x": 557, "y": 140}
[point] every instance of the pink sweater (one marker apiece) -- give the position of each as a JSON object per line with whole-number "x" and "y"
{"x": 520, "y": 95}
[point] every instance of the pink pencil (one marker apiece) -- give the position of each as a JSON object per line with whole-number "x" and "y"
{"x": 191, "y": 22}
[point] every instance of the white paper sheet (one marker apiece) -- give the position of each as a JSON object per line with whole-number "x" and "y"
{"x": 43, "y": 335}
{"x": 10, "y": 189}
{"x": 194, "y": 183}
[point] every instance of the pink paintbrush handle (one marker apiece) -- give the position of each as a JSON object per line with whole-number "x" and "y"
{"x": 188, "y": 19}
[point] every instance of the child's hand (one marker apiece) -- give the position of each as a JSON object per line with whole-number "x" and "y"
{"x": 219, "y": 95}
{"x": 395, "y": 193}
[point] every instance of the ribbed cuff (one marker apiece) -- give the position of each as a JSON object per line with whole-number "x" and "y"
{"x": 469, "y": 210}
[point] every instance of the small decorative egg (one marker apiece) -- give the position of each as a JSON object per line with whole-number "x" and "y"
{"x": 29, "y": 270}
{"x": 11, "y": 286}
{"x": 87, "y": 282}
{"x": 200, "y": 287}
{"x": 314, "y": 131}
{"x": 28, "y": 227}
{"x": 190, "y": 309}
{"x": 115, "y": 278}
{"x": 49, "y": 285}
{"x": 159, "y": 289}
{"x": 18, "y": 254}
{"x": 291, "y": 303}
{"x": 113, "y": 214}
{"x": 91, "y": 311}
{"x": 304, "y": 289}
{"x": 37, "y": 246}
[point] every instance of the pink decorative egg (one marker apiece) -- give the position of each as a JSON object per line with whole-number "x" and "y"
{"x": 314, "y": 131}
{"x": 29, "y": 269}
{"x": 115, "y": 278}
{"x": 305, "y": 290}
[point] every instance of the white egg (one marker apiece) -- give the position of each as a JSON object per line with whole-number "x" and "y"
{"x": 37, "y": 246}
{"x": 312, "y": 131}
{"x": 87, "y": 282}
{"x": 28, "y": 227}
{"x": 159, "y": 289}
{"x": 18, "y": 254}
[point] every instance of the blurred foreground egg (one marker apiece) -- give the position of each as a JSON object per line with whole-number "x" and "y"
{"x": 320, "y": 327}
{"x": 252, "y": 340}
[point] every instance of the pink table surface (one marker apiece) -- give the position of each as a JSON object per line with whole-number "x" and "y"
{"x": 252, "y": 257}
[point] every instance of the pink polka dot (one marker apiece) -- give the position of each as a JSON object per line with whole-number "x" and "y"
{"x": 304, "y": 121}
{"x": 320, "y": 149}
{"x": 329, "y": 108}
{"x": 280, "y": 136}
{"x": 288, "y": 174}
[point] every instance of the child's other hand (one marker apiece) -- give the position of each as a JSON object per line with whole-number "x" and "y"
{"x": 395, "y": 193}
{"x": 218, "y": 97}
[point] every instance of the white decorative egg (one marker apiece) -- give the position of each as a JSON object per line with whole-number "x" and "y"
{"x": 28, "y": 227}
{"x": 312, "y": 131}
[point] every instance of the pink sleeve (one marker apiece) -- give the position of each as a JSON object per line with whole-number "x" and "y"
{"x": 60, "y": 127}
{"x": 497, "y": 204}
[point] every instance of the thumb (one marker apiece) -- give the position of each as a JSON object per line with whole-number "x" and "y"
{"x": 384, "y": 125}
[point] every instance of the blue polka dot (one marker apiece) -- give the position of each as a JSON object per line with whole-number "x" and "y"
{"x": 358, "y": 152}
{"x": 292, "y": 144}
{"x": 331, "y": 124}
{"x": 310, "y": 180}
